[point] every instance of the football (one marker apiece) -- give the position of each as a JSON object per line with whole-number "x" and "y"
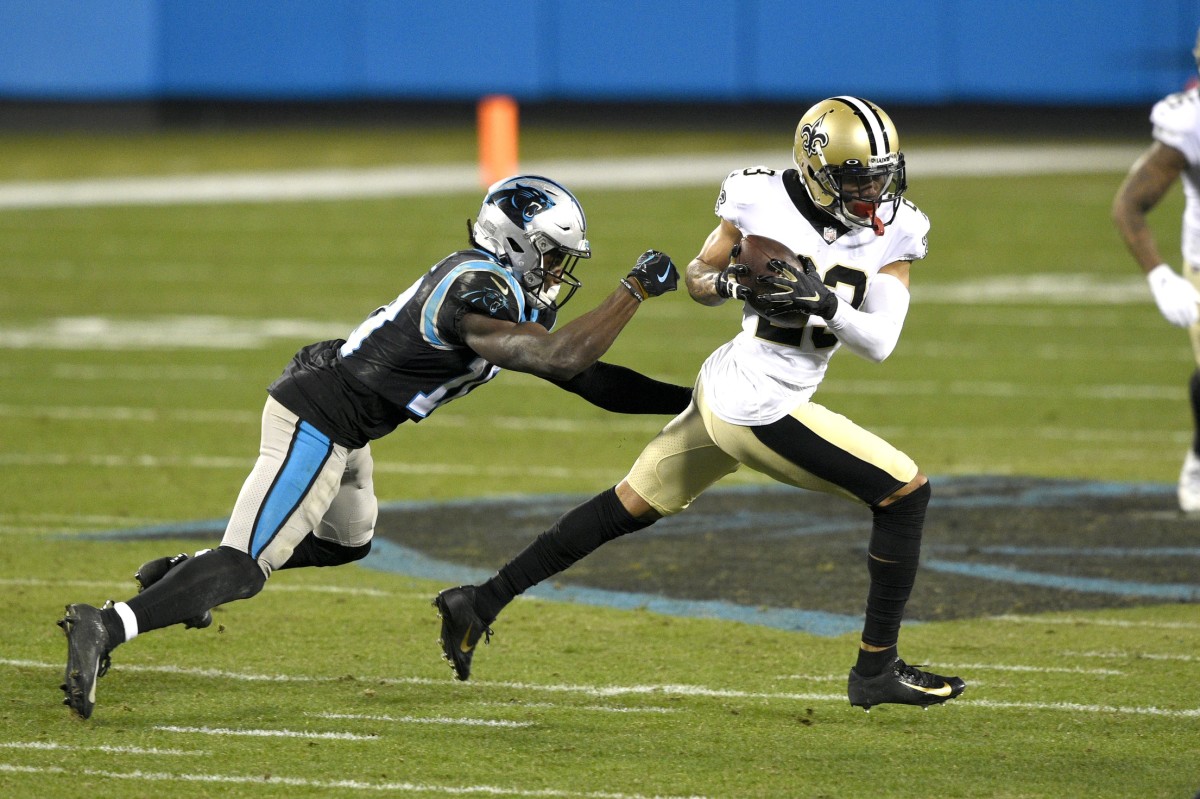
{"x": 756, "y": 253}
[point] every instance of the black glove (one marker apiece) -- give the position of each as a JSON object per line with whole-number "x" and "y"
{"x": 802, "y": 292}
{"x": 728, "y": 285}
{"x": 653, "y": 275}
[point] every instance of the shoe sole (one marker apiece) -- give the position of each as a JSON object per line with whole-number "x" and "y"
{"x": 81, "y": 701}
{"x": 448, "y": 651}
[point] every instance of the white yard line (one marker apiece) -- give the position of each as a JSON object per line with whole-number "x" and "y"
{"x": 147, "y": 461}
{"x": 464, "y": 722}
{"x": 1135, "y": 656}
{"x": 1074, "y": 621}
{"x": 613, "y": 173}
{"x": 240, "y": 732}
{"x": 610, "y": 691}
{"x": 50, "y": 746}
{"x": 34, "y": 582}
{"x": 73, "y": 773}
{"x": 974, "y": 667}
{"x": 1072, "y": 707}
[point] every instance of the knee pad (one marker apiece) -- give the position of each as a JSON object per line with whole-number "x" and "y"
{"x": 241, "y": 576}
{"x": 313, "y": 551}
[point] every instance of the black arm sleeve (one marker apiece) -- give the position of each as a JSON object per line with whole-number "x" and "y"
{"x": 620, "y": 390}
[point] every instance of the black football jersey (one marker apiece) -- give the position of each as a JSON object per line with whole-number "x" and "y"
{"x": 406, "y": 359}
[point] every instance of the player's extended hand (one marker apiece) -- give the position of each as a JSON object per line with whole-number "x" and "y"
{"x": 804, "y": 291}
{"x": 1176, "y": 298}
{"x": 729, "y": 285}
{"x": 654, "y": 273}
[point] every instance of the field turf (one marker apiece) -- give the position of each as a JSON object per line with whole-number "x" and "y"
{"x": 137, "y": 342}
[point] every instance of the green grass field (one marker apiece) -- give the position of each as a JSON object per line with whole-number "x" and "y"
{"x": 137, "y": 343}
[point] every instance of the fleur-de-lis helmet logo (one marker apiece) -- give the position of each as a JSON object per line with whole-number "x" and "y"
{"x": 813, "y": 137}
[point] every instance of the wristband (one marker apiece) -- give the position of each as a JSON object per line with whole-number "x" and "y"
{"x": 634, "y": 287}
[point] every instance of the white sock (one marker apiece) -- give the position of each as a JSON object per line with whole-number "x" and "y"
{"x": 128, "y": 619}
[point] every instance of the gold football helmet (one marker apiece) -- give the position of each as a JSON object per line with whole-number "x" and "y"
{"x": 848, "y": 154}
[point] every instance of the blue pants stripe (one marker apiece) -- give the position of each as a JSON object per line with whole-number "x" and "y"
{"x": 307, "y": 454}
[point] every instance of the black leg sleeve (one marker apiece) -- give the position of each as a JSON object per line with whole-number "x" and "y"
{"x": 576, "y": 534}
{"x": 201, "y": 583}
{"x": 892, "y": 559}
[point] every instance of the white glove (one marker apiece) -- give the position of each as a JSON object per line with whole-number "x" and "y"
{"x": 1177, "y": 298}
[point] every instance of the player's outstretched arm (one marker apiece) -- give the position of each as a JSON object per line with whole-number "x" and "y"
{"x": 564, "y": 353}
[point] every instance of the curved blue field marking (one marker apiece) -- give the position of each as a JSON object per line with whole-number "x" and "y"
{"x": 957, "y": 492}
{"x": 392, "y": 557}
{"x": 1091, "y": 585}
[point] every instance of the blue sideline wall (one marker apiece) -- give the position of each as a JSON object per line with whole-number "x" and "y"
{"x": 911, "y": 51}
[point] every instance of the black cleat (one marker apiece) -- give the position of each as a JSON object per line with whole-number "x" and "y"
{"x": 152, "y": 571}
{"x": 461, "y": 628}
{"x": 902, "y": 684}
{"x": 87, "y": 656}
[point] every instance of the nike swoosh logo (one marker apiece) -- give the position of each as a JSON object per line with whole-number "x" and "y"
{"x": 92, "y": 690}
{"x": 813, "y": 298}
{"x": 666, "y": 272}
{"x": 944, "y": 690}
{"x": 464, "y": 646}
{"x": 502, "y": 286}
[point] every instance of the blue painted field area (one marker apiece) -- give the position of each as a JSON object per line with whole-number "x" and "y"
{"x": 791, "y": 560}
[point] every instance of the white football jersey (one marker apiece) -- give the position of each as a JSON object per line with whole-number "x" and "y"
{"x": 766, "y": 371}
{"x": 1176, "y": 120}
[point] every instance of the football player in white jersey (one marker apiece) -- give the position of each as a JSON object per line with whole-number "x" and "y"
{"x": 842, "y": 208}
{"x": 1174, "y": 153}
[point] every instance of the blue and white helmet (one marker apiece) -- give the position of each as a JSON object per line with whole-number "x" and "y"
{"x": 537, "y": 227}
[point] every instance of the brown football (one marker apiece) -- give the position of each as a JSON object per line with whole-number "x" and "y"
{"x": 757, "y": 252}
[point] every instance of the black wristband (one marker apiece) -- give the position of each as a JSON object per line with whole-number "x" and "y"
{"x": 634, "y": 288}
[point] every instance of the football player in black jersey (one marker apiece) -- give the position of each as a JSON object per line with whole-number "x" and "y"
{"x": 309, "y": 500}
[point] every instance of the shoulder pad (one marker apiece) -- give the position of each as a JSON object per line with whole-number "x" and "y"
{"x": 487, "y": 291}
{"x": 741, "y": 185}
{"x": 910, "y": 232}
{"x": 1177, "y": 113}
